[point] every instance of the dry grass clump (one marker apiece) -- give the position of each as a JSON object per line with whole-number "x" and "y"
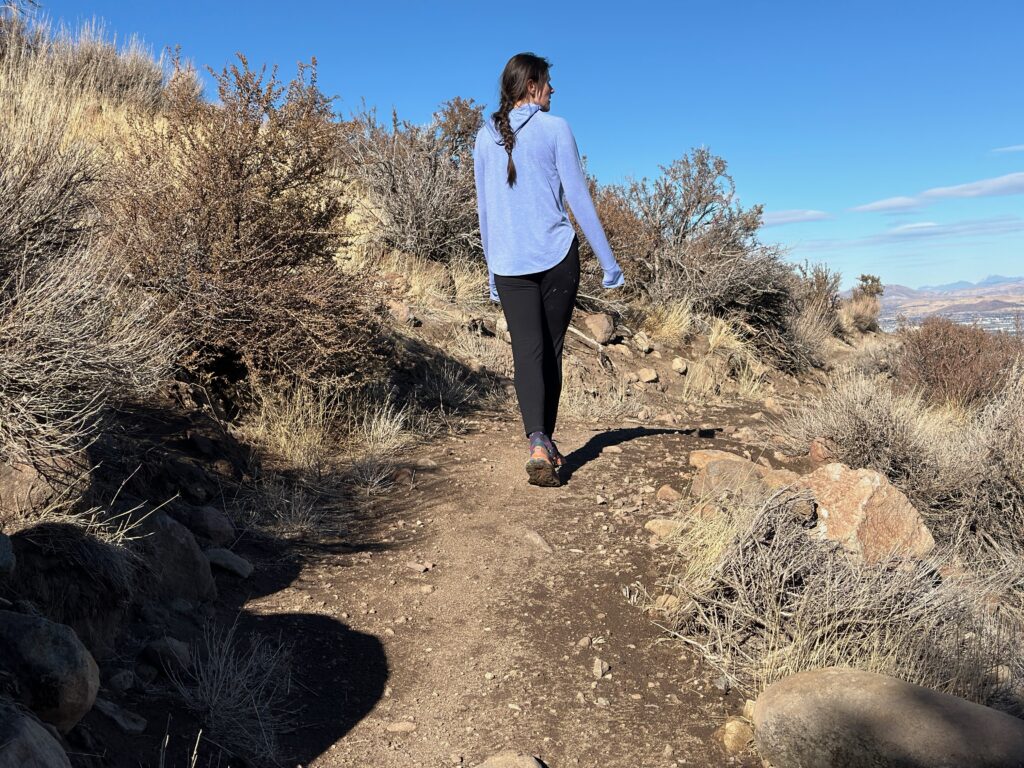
{"x": 670, "y": 322}
{"x": 418, "y": 181}
{"x": 859, "y": 314}
{"x": 768, "y": 601}
{"x": 239, "y": 690}
{"x": 957, "y": 364}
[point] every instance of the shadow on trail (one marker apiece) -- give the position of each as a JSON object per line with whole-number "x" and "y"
{"x": 593, "y": 447}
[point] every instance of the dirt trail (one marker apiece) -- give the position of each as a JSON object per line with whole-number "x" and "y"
{"x": 482, "y": 652}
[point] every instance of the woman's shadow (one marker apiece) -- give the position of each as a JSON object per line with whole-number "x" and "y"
{"x": 602, "y": 440}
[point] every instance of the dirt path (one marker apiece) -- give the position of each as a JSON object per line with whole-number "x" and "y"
{"x": 494, "y": 645}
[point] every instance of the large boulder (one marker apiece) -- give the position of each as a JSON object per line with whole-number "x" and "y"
{"x": 29, "y": 485}
{"x": 208, "y": 522}
{"x": 24, "y": 743}
{"x": 835, "y": 716}
{"x": 47, "y": 668}
{"x": 862, "y": 511}
{"x": 180, "y": 569}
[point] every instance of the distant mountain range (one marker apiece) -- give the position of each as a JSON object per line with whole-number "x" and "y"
{"x": 994, "y": 301}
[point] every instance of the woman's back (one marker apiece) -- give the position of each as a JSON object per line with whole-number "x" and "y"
{"x": 525, "y": 227}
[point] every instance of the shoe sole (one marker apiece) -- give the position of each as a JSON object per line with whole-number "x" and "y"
{"x": 542, "y": 473}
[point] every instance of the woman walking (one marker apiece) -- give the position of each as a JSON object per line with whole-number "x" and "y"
{"x": 524, "y": 160}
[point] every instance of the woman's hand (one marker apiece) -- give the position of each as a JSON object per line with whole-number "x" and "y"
{"x": 613, "y": 278}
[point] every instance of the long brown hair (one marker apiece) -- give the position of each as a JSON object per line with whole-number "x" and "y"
{"x": 520, "y": 70}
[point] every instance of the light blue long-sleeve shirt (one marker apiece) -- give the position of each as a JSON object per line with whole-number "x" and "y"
{"x": 525, "y": 228}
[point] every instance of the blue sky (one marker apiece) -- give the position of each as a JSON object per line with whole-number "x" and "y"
{"x": 882, "y": 137}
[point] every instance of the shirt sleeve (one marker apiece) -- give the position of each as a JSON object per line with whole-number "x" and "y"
{"x": 574, "y": 183}
{"x": 478, "y": 173}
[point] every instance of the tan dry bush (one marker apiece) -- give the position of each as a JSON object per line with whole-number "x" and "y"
{"x": 227, "y": 212}
{"x": 474, "y": 348}
{"x": 670, "y": 322}
{"x": 239, "y": 690}
{"x": 418, "y": 181}
{"x": 957, "y": 364}
{"x": 74, "y": 337}
{"x": 776, "y": 601}
{"x": 47, "y": 174}
{"x": 859, "y": 314}
{"x": 815, "y": 319}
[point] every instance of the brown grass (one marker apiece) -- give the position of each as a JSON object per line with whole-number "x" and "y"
{"x": 859, "y": 314}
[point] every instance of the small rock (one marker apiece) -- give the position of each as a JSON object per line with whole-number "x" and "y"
{"x": 127, "y": 721}
{"x": 647, "y": 375}
{"x": 601, "y": 327}
{"x": 621, "y": 349}
{"x": 400, "y": 312}
{"x": 642, "y": 342}
{"x": 425, "y": 463}
{"x": 668, "y": 493}
{"x": 584, "y": 642}
{"x": 211, "y": 523}
{"x": 663, "y": 527}
{"x": 601, "y": 668}
{"x": 735, "y": 735}
{"x": 121, "y": 681}
{"x": 680, "y": 366}
{"x": 535, "y": 539}
{"x": 418, "y": 567}
{"x": 168, "y": 653}
{"x": 510, "y": 759}
{"x": 401, "y": 726}
{"x": 228, "y": 561}
{"x": 145, "y": 673}
{"x": 402, "y": 476}
{"x": 611, "y": 449}
{"x": 601, "y": 500}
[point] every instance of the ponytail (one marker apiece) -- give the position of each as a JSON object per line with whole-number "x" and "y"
{"x": 518, "y": 72}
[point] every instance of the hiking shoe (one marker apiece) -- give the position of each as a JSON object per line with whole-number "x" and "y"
{"x": 556, "y": 456}
{"x": 540, "y": 468}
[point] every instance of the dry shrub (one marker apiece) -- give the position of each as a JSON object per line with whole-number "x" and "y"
{"x": 775, "y": 601}
{"x": 815, "y": 320}
{"x": 956, "y": 364}
{"x": 418, "y": 181}
{"x": 47, "y": 174}
{"x": 859, "y": 314}
{"x": 239, "y": 689}
{"x": 228, "y": 211}
{"x": 73, "y": 337}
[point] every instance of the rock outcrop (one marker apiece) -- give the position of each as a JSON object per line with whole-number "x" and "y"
{"x": 24, "y": 743}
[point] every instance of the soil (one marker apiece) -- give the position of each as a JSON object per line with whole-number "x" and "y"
{"x": 469, "y": 617}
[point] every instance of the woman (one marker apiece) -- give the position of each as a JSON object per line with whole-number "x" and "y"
{"x": 525, "y": 159}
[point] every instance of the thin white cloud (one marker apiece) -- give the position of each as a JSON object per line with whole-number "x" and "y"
{"x": 1010, "y": 184}
{"x": 890, "y": 204}
{"x": 793, "y": 216}
{"x": 937, "y": 235}
{"x": 1012, "y": 148}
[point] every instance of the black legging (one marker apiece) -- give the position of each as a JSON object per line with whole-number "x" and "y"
{"x": 538, "y": 308}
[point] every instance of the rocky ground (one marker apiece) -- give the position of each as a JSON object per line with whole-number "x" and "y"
{"x": 496, "y": 615}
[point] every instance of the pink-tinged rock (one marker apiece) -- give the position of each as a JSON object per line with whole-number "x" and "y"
{"x": 700, "y": 459}
{"x": 844, "y": 717}
{"x": 820, "y": 451}
{"x": 601, "y": 327}
{"x": 862, "y": 511}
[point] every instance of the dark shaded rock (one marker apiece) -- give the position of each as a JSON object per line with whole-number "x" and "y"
{"x": 179, "y": 567}
{"x": 25, "y": 743}
{"x": 48, "y": 668}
